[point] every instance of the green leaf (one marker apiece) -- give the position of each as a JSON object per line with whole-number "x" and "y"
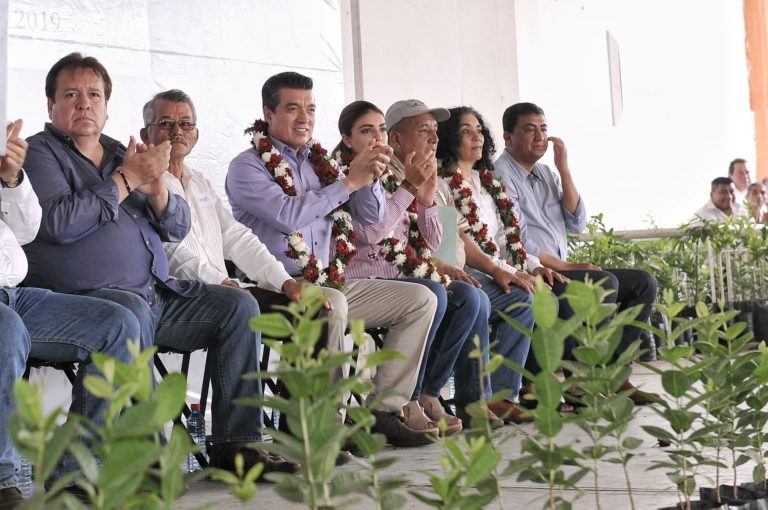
{"x": 549, "y": 390}
{"x": 659, "y": 433}
{"x": 587, "y": 355}
{"x": 548, "y": 350}
{"x": 382, "y": 356}
{"x": 98, "y": 386}
{"x": 170, "y": 395}
{"x": 273, "y": 325}
{"x": 631, "y": 443}
{"x": 675, "y": 382}
{"x": 482, "y": 466}
{"x": 493, "y": 364}
{"x": 548, "y": 421}
{"x": 544, "y": 307}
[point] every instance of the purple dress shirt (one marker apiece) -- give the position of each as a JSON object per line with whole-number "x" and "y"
{"x": 260, "y": 203}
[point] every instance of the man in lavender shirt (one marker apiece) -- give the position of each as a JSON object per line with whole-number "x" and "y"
{"x": 258, "y": 201}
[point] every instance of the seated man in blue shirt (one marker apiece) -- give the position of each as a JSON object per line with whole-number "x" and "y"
{"x": 550, "y": 206}
{"x": 106, "y": 212}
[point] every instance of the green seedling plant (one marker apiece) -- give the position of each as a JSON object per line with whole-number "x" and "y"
{"x": 726, "y": 384}
{"x": 756, "y": 418}
{"x": 598, "y": 372}
{"x": 543, "y": 460}
{"x": 687, "y": 432}
{"x": 469, "y": 477}
{"x": 468, "y": 480}
{"x": 317, "y": 392}
{"x": 123, "y": 462}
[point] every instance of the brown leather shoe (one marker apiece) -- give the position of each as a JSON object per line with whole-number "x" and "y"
{"x": 494, "y": 421}
{"x": 10, "y": 497}
{"x": 393, "y": 426}
{"x": 222, "y": 456}
{"x": 640, "y": 397}
{"x": 510, "y": 412}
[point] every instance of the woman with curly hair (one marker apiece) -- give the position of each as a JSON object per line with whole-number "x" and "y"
{"x": 492, "y": 244}
{"x": 400, "y": 247}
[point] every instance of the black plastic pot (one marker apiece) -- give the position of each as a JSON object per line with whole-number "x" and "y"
{"x": 708, "y": 505}
{"x": 750, "y": 497}
{"x": 695, "y": 505}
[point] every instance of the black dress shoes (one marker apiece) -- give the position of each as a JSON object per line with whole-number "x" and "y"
{"x": 10, "y": 497}
{"x": 222, "y": 456}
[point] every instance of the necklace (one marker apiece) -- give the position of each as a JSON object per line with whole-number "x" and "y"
{"x": 461, "y": 192}
{"x": 328, "y": 172}
{"x": 414, "y": 258}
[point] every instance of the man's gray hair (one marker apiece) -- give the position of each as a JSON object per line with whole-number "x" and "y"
{"x": 173, "y": 95}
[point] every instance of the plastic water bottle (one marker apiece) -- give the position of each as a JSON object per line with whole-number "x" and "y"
{"x": 196, "y": 428}
{"x": 26, "y": 482}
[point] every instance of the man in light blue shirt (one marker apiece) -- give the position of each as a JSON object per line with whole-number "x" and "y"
{"x": 550, "y": 206}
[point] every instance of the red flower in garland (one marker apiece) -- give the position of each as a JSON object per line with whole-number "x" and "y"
{"x": 327, "y": 172}
{"x": 467, "y": 206}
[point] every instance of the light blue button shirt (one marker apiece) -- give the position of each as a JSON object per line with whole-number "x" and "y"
{"x": 538, "y": 196}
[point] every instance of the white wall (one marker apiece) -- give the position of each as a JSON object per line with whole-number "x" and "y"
{"x": 686, "y": 99}
{"x": 219, "y": 52}
{"x": 684, "y": 73}
{"x": 444, "y": 52}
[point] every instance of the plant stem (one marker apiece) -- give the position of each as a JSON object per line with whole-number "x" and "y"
{"x": 551, "y": 478}
{"x": 313, "y": 498}
{"x": 735, "y": 475}
{"x": 717, "y": 475}
{"x": 375, "y": 483}
{"x": 626, "y": 472}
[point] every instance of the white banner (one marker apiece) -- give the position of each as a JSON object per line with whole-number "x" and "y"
{"x": 3, "y": 69}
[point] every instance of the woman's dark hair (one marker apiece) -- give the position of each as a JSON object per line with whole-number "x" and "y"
{"x": 448, "y": 135}
{"x": 347, "y": 119}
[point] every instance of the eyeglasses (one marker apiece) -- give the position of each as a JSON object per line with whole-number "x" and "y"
{"x": 168, "y": 125}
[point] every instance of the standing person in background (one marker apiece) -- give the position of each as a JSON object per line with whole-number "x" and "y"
{"x": 756, "y": 202}
{"x": 739, "y": 174}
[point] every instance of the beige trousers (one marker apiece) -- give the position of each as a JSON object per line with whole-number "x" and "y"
{"x": 406, "y": 310}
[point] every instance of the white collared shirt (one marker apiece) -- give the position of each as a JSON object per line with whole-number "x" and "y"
{"x": 488, "y": 215}
{"x": 215, "y": 236}
{"x": 20, "y": 215}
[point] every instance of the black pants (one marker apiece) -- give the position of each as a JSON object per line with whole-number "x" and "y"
{"x": 627, "y": 287}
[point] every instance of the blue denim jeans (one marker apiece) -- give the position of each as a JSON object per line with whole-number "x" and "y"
{"x": 217, "y": 320}
{"x": 505, "y": 339}
{"x": 466, "y": 311}
{"x": 55, "y": 327}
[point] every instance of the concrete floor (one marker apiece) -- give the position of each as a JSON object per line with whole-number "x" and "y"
{"x": 651, "y": 489}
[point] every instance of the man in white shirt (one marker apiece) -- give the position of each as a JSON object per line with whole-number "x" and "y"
{"x": 739, "y": 174}
{"x": 215, "y": 235}
{"x": 721, "y": 205}
{"x": 42, "y": 324}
